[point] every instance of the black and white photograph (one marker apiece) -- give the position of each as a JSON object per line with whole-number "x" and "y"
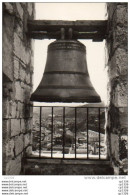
{"x": 65, "y": 89}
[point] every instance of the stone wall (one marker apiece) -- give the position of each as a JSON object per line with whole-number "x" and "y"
{"x": 117, "y": 125}
{"x": 17, "y": 85}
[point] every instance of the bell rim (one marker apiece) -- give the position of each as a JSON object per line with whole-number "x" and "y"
{"x": 90, "y": 99}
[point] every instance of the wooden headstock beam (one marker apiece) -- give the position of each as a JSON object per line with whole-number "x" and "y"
{"x": 82, "y": 29}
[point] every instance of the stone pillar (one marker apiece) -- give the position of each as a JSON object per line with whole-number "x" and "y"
{"x": 117, "y": 127}
{"x": 17, "y": 85}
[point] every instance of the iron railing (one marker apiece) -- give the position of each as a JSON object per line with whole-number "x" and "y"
{"x": 93, "y": 129}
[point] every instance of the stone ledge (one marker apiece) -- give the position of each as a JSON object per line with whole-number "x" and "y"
{"x": 37, "y": 168}
{"x": 66, "y": 161}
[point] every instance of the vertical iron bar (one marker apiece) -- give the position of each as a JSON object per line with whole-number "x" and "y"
{"x": 87, "y": 132}
{"x": 75, "y": 128}
{"x": 63, "y": 131}
{"x": 52, "y": 135}
{"x": 99, "y": 130}
{"x": 40, "y": 132}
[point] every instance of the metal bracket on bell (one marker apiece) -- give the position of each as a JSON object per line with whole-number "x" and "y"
{"x": 66, "y": 35}
{"x": 62, "y": 31}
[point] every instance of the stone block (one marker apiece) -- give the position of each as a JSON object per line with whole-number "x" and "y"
{"x": 12, "y": 109}
{"x": 121, "y": 95}
{"x": 16, "y": 69}
{"x": 27, "y": 56}
{"x": 19, "y": 91}
{"x": 21, "y": 51}
{"x": 122, "y": 14}
{"x": 27, "y": 110}
{"x": 116, "y": 170}
{"x": 12, "y": 92}
{"x": 19, "y": 144}
{"x": 23, "y": 85}
{"x": 24, "y": 4}
{"x": 18, "y": 46}
{"x": 23, "y": 128}
{"x": 30, "y": 9}
{"x": 119, "y": 16}
{"x": 15, "y": 127}
{"x": 9, "y": 148}
{"x": 8, "y": 89}
{"x": 28, "y": 79}
{"x": 19, "y": 10}
{"x": 28, "y": 123}
{"x": 123, "y": 114}
{"x": 9, "y": 7}
{"x": 111, "y": 8}
{"x": 20, "y": 110}
{"x": 31, "y": 111}
{"x": 32, "y": 61}
{"x": 7, "y": 46}
{"x": 28, "y": 150}
{"x": 6, "y": 129}
{"x": 118, "y": 26}
{"x": 27, "y": 139}
{"x": 115, "y": 146}
{"x": 6, "y": 93}
{"x": 120, "y": 37}
{"x": 5, "y": 106}
{"x": 13, "y": 167}
{"x": 31, "y": 82}
{"x": 19, "y": 30}
{"x": 27, "y": 93}
{"x": 118, "y": 66}
{"x": 22, "y": 74}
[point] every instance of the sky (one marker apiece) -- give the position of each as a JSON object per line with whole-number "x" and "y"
{"x": 96, "y": 51}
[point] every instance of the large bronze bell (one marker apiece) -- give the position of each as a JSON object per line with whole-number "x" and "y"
{"x": 66, "y": 77}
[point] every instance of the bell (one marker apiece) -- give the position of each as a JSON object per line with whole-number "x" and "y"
{"x": 66, "y": 77}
